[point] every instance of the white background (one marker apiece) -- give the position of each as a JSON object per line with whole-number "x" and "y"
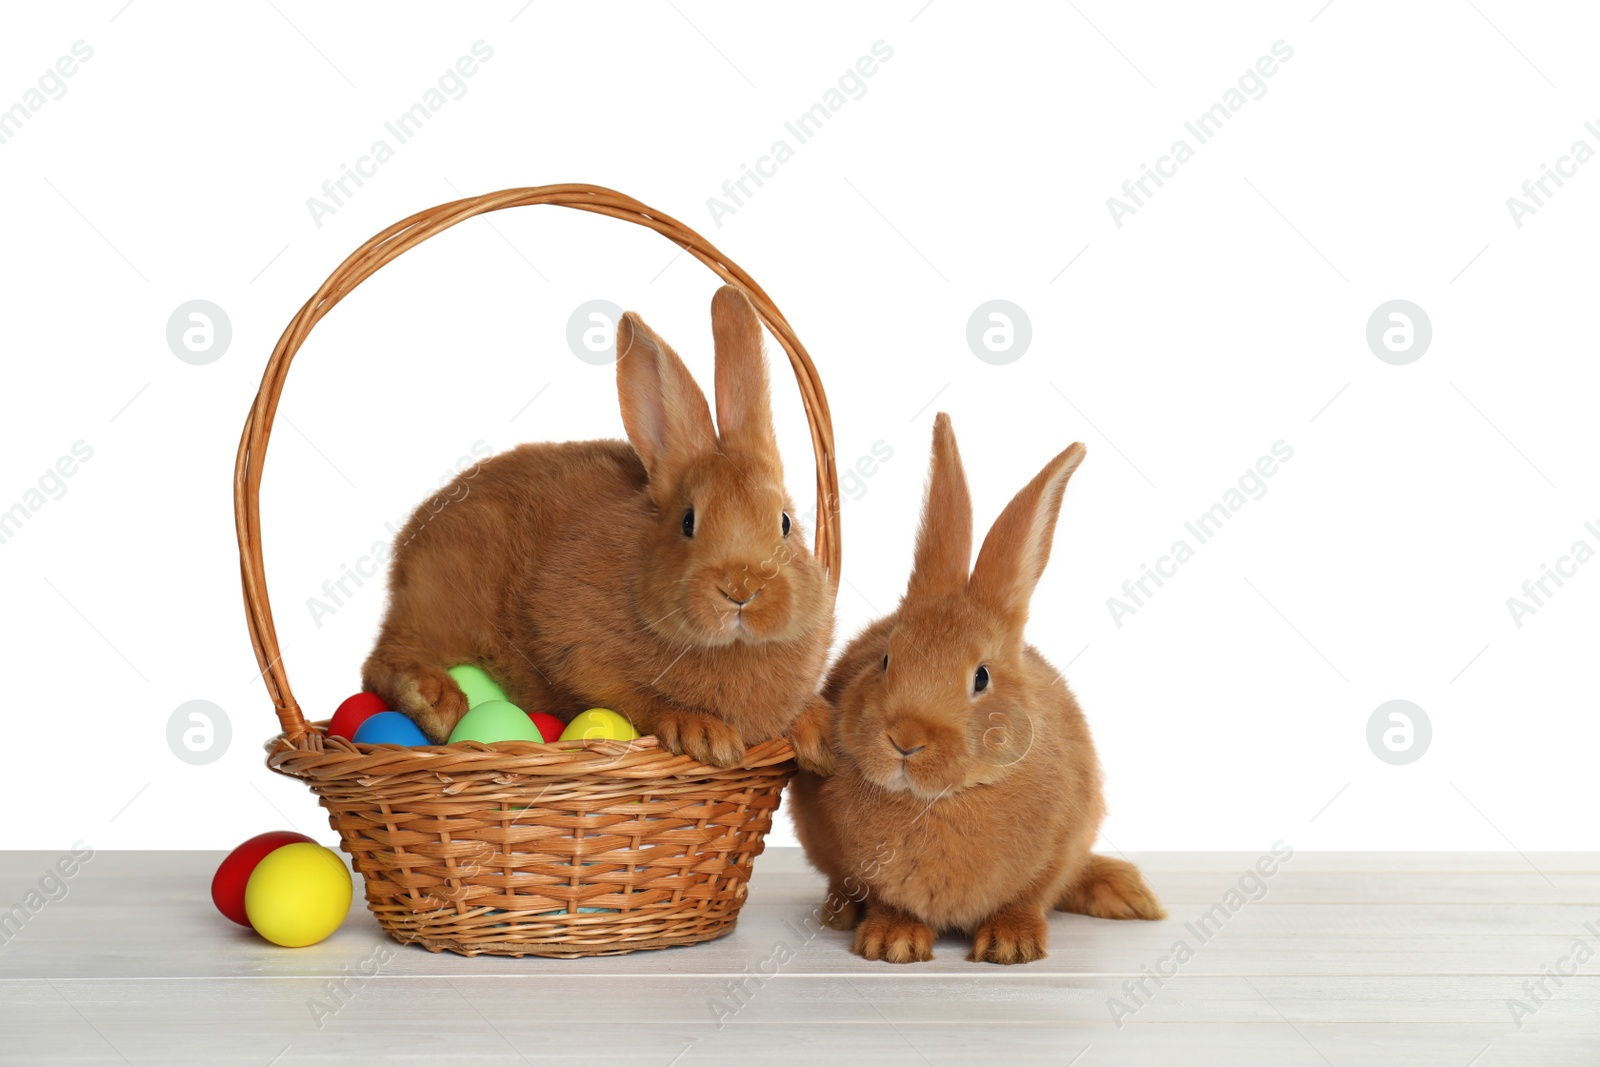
{"x": 1227, "y": 314}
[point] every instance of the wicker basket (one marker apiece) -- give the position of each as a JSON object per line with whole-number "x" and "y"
{"x": 578, "y": 848}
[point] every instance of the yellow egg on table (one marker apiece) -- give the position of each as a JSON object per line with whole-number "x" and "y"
{"x": 298, "y": 894}
{"x": 599, "y": 724}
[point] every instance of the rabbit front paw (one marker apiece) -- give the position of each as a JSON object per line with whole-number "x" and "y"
{"x": 424, "y": 693}
{"x": 809, "y": 735}
{"x": 699, "y": 736}
{"x": 893, "y": 936}
{"x": 1011, "y": 935}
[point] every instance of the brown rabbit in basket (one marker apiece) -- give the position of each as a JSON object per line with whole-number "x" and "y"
{"x": 667, "y": 580}
{"x": 967, "y": 793}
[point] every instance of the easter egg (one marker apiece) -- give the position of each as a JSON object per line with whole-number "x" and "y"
{"x": 227, "y": 885}
{"x": 298, "y": 894}
{"x": 476, "y": 684}
{"x": 597, "y": 723}
{"x": 349, "y": 716}
{"x": 389, "y": 728}
{"x": 495, "y": 720}
{"x": 549, "y": 726}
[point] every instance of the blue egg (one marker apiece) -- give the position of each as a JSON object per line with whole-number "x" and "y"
{"x": 389, "y": 728}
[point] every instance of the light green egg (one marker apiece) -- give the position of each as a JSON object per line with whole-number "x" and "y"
{"x": 477, "y": 685}
{"x": 495, "y": 720}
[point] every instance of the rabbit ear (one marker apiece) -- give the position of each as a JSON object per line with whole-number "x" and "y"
{"x": 744, "y": 402}
{"x": 1018, "y": 546}
{"x": 944, "y": 541}
{"x": 665, "y": 412}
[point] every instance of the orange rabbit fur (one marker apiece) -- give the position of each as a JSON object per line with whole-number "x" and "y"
{"x": 666, "y": 579}
{"x": 967, "y": 793}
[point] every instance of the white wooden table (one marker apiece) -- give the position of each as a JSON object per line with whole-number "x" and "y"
{"x": 1373, "y": 958}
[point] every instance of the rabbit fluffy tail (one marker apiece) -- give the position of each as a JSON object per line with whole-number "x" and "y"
{"x": 1111, "y": 889}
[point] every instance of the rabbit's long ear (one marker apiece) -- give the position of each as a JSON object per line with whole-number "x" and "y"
{"x": 1014, "y": 554}
{"x": 744, "y": 401}
{"x": 665, "y": 412}
{"x": 944, "y": 541}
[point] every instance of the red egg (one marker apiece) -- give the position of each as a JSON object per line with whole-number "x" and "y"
{"x": 353, "y": 712}
{"x": 227, "y": 885}
{"x": 549, "y": 726}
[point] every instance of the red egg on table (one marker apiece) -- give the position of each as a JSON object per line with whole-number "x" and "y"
{"x": 227, "y": 885}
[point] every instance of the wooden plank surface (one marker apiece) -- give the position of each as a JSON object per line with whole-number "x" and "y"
{"x": 1345, "y": 958}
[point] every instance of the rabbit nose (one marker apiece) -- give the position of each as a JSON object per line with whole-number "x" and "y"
{"x": 905, "y": 753}
{"x": 736, "y": 600}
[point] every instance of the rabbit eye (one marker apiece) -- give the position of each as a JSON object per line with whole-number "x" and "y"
{"x": 980, "y": 681}
{"x": 786, "y": 524}
{"x": 688, "y": 523}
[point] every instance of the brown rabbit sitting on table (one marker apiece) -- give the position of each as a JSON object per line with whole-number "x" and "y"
{"x": 666, "y": 579}
{"x": 967, "y": 792}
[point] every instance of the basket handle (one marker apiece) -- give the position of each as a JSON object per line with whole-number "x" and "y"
{"x": 408, "y": 233}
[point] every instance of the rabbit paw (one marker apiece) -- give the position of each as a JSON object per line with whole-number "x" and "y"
{"x": 1012, "y": 935}
{"x": 809, "y": 735}
{"x": 699, "y": 736}
{"x": 423, "y": 693}
{"x": 893, "y": 937}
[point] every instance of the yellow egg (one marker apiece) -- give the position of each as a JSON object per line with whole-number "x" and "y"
{"x": 298, "y": 894}
{"x": 598, "y": 723}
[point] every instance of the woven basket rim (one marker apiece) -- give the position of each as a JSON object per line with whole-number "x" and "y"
{"x": 314, "y": 755}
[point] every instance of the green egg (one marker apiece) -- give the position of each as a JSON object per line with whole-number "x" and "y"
{"x": 495, "y": 720}
{"x": 477, "y": 685}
